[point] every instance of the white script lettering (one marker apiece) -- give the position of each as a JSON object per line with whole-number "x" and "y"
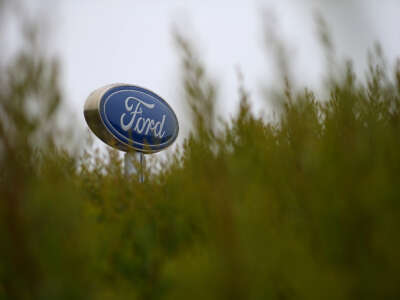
{"x": 137, "y": 122}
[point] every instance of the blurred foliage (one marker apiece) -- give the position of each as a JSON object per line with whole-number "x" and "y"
{"x": 303, "y": 208}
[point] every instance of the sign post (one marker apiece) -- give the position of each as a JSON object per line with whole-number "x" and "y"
{"x": 134, "y": 164}
{"x": 131, "y": 119}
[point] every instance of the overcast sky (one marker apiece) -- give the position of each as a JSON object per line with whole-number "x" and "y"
{"x": 130, "y": 41}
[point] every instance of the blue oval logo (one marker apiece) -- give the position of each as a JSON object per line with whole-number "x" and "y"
{"x": 138, "y": 118}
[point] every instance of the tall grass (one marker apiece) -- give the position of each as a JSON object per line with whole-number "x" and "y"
{"x": 306, "y": 207}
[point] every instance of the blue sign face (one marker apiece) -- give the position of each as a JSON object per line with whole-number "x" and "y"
{"x": 137, "y": 119}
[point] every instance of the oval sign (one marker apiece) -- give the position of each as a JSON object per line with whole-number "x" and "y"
{"x": 131, "y": 118}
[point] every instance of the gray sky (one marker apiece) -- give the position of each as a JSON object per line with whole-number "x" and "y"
{"x": 103, "y": 41}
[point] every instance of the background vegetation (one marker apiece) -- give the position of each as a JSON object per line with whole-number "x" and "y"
{"x": 305, "y": 207}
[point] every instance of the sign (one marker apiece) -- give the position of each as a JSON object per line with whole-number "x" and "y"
{"x": 131, "y": 118}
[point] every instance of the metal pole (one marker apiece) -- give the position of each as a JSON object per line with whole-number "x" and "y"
{"x": 134, "y": 165}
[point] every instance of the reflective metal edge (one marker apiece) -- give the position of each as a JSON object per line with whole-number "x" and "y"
{"x": 91, "y": 112}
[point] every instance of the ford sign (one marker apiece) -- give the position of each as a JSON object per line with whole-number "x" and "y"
{"x": 131, "y": 118}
